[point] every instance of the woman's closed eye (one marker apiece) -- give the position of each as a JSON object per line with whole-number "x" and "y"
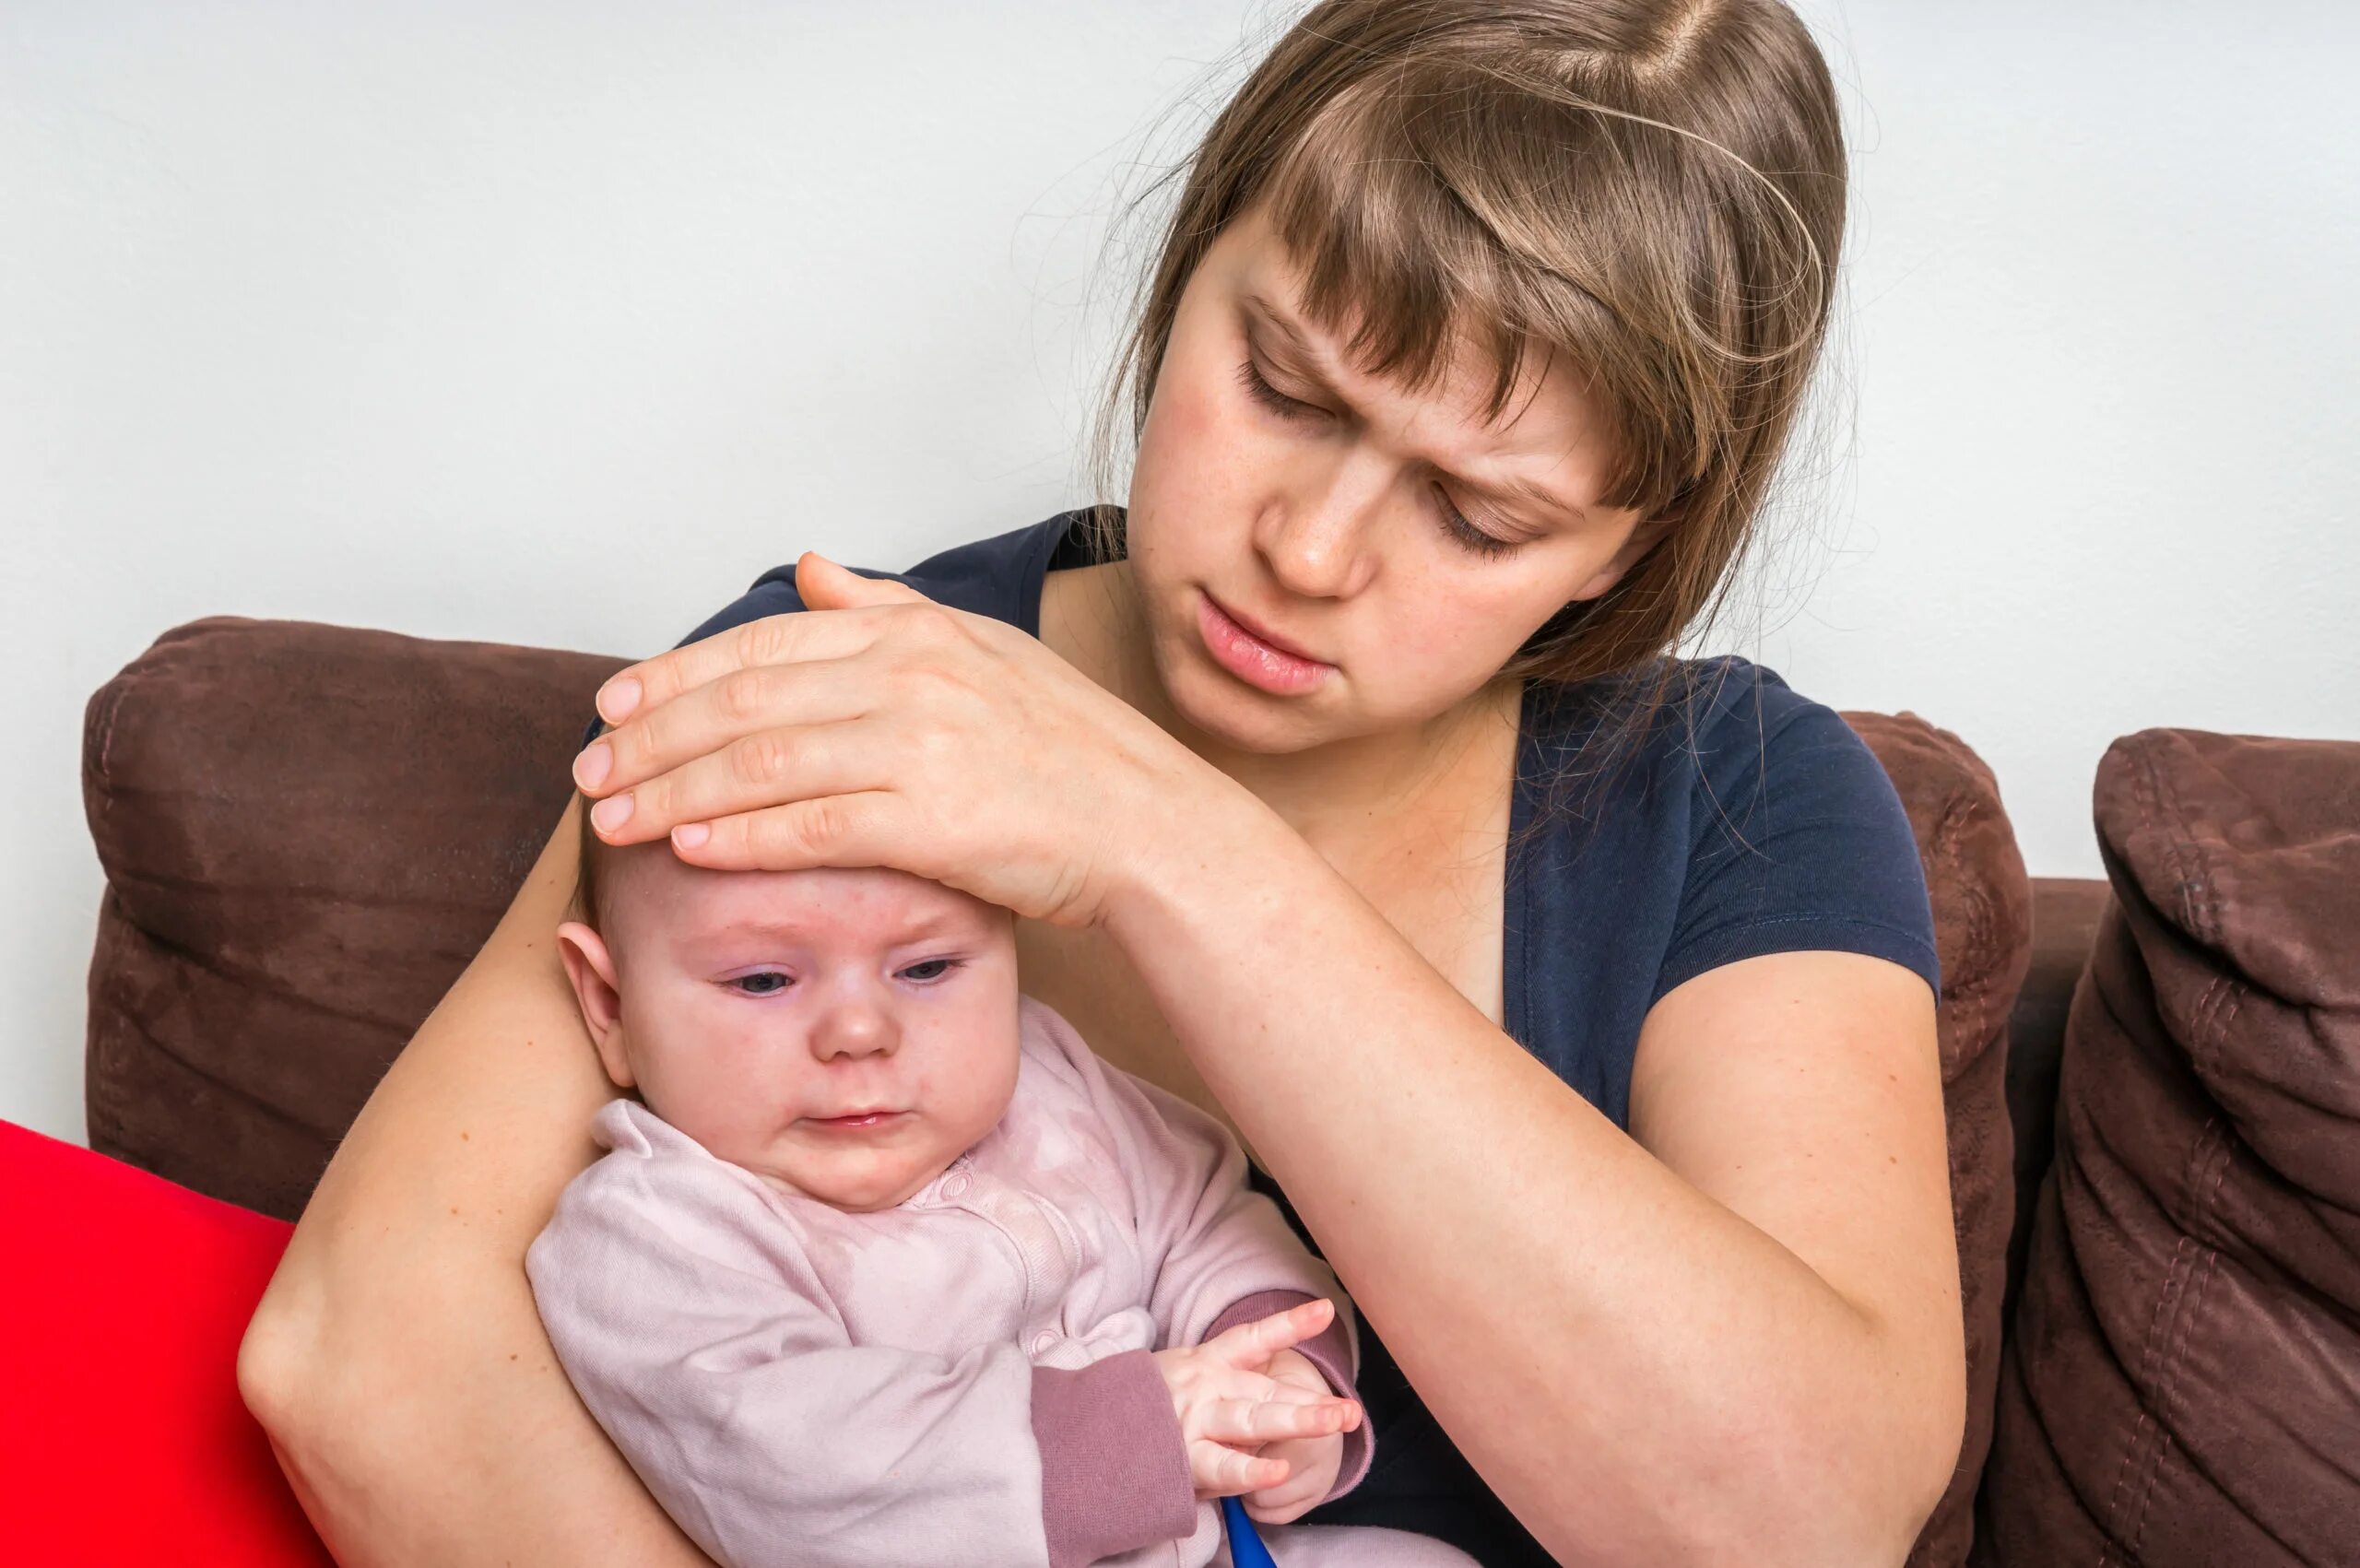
{"x": 1481, "y": 541}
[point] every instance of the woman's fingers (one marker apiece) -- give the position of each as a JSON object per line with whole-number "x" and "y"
{"x": 839, "y": 830}
{"x": 649, "y": 684}
{"x": 837, "y": 623}
{"x": 781, "y": 734}
{"x": 822, "y": 583}
{"x": 770, "y": 771}
{"x": 785, "y": 670}
{"x": 1251, "y": 1344}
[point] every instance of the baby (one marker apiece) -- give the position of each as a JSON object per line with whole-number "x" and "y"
{"x": 885, "y": 1267}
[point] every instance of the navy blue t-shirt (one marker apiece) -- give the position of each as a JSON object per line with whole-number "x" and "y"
{"x": 1744, "y": 819}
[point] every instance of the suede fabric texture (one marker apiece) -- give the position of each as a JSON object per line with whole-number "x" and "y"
{"x": 308, "y": 830}
{"x": 2183, "y": 1380}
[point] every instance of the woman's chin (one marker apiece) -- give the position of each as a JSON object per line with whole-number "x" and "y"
{"x": 1220, "y": 708}
{"x": 1228, "y": 713}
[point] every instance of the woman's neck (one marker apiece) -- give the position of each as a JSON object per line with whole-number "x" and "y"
{"x": 1330, "y": 794}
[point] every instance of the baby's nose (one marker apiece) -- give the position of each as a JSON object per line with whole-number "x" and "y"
{"x": 853, "y": 1032}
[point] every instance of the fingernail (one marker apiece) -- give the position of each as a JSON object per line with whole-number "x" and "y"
{"x": 688, "y": 835}
{"x": 590, "y": 768}
{"x": 617, "y": 699}
{"x": 608, "y": 815}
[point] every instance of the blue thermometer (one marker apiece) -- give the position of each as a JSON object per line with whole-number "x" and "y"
{"x": 1245, "y": 1548}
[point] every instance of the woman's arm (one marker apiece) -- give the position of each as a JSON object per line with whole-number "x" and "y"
{"x": 1652, "y": 1356}
{"x": 396, "y": 1360}
{"x": 1743, "y": 1348}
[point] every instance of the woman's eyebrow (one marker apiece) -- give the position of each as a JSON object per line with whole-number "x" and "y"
{"x": 1508, "y": 487}
{"x": 1283, "y": 323}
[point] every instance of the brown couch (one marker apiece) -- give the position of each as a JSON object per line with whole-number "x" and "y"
{"x": 307, "y": 831}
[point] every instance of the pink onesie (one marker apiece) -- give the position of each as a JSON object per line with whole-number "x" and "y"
{"x": 962, "y": 1379}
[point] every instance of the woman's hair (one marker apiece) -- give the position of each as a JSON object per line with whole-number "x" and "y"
{"x": 1651, "y": 192}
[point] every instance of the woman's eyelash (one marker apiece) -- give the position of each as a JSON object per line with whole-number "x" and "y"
{"x": 1454, "y": 524}
{"x": 1269, "y": 397}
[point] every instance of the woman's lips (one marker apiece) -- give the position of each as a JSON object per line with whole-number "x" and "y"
{"x": 1250, "y": 658}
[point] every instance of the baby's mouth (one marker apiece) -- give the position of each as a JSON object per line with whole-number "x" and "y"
{"x": 856, "y": 1121}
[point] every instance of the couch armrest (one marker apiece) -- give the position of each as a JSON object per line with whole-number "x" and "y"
{"x": 307, "y": 832}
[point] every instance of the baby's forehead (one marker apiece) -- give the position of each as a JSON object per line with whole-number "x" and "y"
{"x": 875, "y": 900}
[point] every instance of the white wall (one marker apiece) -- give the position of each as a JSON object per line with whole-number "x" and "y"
{"x": 554, "y": 324}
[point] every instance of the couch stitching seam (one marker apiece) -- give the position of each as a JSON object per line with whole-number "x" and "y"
{"x": 2144, "y": 790}
{"x": 2174, "y": 1359}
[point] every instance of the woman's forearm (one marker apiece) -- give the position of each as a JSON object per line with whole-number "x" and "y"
{"x": 1646, "y": 1376}
{"x": 396, "y": 1359}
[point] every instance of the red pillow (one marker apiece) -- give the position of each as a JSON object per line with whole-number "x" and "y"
{"x": 122, "y": 1438}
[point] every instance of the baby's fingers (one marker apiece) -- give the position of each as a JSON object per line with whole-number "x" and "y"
{"x": 1221, "y": 1471}
{"x": 1253, "y": 1344}
{"x": 1288, "y": 1412}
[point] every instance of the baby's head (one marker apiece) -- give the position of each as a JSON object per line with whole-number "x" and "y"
{"x": 757, "y": 1011}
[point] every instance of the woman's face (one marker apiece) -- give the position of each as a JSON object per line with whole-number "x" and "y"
{"x": 1329, "y": 526}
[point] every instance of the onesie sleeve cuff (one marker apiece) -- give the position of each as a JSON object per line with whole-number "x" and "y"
{"x": 1331, "y": 1352}
{"x": 1113, "y": 1468}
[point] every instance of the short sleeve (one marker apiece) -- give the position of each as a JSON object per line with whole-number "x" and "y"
{"x": 772, "y": 593}
{"x": 1798, "y": 841}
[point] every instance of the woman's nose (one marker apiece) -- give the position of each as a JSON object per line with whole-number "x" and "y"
{"x": 1315, "y": 534}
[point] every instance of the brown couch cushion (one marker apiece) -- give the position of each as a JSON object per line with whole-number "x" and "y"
{"x": 2183, "y": 1384}
{"x": 1983, "y": 929}
{"x": 307, "y": 831}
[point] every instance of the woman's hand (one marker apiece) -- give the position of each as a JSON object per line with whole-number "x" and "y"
{"x": 877, "y": 727}
{"x": 1235, "y": 1408}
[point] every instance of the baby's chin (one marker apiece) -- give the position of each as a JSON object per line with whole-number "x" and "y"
{"x": 866, "y": 1191}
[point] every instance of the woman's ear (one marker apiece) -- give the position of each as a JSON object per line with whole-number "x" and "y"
{"x": 591, "y": 967}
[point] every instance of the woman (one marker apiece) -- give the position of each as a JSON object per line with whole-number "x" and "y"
{"x": 1579, "y": 999}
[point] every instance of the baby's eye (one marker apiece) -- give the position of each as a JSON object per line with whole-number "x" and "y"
{"x": 767, "y": 983}
{"x": 940, "y": 967}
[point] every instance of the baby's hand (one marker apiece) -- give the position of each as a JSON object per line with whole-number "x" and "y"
{"x": 1230, "y": 1405}
{"x": 1312, "y": 1462}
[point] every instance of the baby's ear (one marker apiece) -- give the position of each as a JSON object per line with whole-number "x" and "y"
{"x": 591, "y": 967}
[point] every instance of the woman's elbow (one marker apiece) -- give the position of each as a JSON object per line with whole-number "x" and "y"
{"x": 1929, "y": 1443}
{"x": 361, "y": 1416}
{"x": 288, "y": 1392}
{"x": 1846, "y": 1491}
{"x": 280, "y": 1389}
{"x": 304, "y": 1371}
{"x": 308, "y": 1399}
{"x": 1888, "y": 1480}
